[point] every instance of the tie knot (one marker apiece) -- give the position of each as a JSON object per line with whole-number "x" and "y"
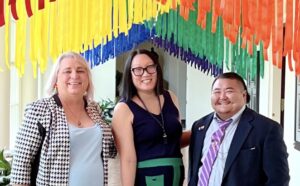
{"x": 224, "y": 124}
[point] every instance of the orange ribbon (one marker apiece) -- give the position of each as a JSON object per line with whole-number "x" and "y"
{"x": 216, "y": 12}
{"x": 277, "y": 34}
{"x": 296, "y": 49}
{"x": 288, "y": 34}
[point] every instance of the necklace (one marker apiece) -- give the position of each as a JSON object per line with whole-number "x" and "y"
{"x": 74, "y": 115}
{"x": 160, "y": 123}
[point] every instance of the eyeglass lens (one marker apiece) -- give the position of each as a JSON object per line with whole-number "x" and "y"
{"x": 139, "y": 71}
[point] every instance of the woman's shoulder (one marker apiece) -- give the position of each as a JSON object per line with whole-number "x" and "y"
{"x": 171, "y": 94}
{"x": 39, "y": 104}
{"x": 42, "y": 100}
{"x": 92, "y": 103}
{"x": 122, "y": 113}
{"x": 38, "y": 109}
{"x": 121, "y": 107}
{"x": 93, "y": 107}
{"x": 168, "y": 92}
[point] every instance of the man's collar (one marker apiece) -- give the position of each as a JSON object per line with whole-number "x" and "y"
{"x": 235, "y": 117}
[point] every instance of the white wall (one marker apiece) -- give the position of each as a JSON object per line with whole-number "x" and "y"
{"x": 264, "y": 91}
{"x": 289, "y": 126}
{"x": 270, "y": 92}
{"x": 197, "y": 95}
{"x": 104, "y": 80}
{"x": 175, "y": 72}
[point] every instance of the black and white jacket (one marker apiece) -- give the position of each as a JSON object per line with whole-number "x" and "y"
{"x": 55, "y": 154}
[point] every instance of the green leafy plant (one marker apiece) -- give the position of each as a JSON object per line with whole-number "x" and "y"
{"x": 107, "y": 106}
{"x": 5, "y": 169}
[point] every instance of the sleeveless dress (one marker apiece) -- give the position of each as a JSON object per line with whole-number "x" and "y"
{"x": 159, "y": 163}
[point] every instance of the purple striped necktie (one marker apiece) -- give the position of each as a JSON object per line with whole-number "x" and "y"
{"x": 208, "y": 162}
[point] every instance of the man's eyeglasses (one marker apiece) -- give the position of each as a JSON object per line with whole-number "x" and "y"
{"x": 139, "y": 71}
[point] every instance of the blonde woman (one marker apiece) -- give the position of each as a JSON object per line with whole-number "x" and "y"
{"x": 77, "y": 142}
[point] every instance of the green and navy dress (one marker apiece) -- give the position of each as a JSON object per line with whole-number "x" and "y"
{"x": 159, "y": 163}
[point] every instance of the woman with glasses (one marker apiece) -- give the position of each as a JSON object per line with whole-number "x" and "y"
{"x": 146, "y": 125}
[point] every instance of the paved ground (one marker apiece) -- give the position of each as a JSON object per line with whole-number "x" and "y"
{"x": 114, "y": 169}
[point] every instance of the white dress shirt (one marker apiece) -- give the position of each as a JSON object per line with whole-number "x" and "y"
{"x": 217, "y": 171}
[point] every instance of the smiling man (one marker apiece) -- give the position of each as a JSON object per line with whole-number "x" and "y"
{"x": 235, "y": 146}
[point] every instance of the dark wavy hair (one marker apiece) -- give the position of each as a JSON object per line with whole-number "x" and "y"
{"x": 127, "y": 88}
{"x": 233, "y": 75}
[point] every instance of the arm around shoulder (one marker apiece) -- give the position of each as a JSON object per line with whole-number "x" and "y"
{"x": 185, "y": 138}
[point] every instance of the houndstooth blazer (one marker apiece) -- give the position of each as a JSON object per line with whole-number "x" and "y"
{"x": 55, "y": 154}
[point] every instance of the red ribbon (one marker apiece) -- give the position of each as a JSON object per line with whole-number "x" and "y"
{"x": 13, "y": 9}
{"x": 41, "y": 4}
{"x": 2, "y": 18}
{"x": 28, "y": 8}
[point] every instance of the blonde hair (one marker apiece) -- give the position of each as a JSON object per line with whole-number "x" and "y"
{"x": 50, "y": 88}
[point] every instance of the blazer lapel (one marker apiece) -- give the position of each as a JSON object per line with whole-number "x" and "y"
{"x": 241, "y": 133}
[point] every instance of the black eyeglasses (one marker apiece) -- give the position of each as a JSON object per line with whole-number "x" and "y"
{"x": 139, "y": 71}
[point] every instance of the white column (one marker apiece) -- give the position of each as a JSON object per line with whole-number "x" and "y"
{"x": 28, "y": 87}
{"x": 4, "y": 95}
{"x": 24, "y": 92}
